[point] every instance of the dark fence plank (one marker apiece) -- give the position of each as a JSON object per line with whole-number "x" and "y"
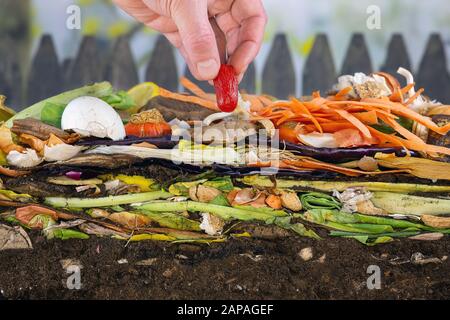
{"x": 162, "y": 67}
{"x": 88, "y": 65}
{"x": 11, "y": 79}
{"x": 319, "y": 72}
{"x": 121, "y": 70}
{"x": 357, "y": 58}
{"x": 66, "y": 66}
{"x": 46, "y": 77}
{"x": 248, "y": 83}
{"x": 397, "y": 56}
{"x": 433, "y": 74}
{"x": 278, "y": 75}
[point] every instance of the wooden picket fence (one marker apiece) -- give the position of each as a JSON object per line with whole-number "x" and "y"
{"x": 47, "y": 76}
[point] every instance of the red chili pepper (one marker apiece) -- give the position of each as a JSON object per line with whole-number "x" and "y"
{"x": 226, "y": 85}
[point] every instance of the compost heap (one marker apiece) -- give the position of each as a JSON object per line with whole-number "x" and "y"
{"x": 368, "y": 160}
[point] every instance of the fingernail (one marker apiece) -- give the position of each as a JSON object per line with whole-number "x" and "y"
{"x": 208, "y": 69}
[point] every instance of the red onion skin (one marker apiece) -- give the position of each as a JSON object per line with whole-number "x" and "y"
{"x": 75, "y": 175}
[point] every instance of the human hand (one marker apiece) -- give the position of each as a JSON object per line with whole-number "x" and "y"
{"x": 186, "y": 25}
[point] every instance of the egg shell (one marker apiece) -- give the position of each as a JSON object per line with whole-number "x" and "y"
{"x": 92, "y": 117}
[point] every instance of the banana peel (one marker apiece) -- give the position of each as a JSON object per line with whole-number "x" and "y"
{"x": 6, "y": 113}
{"x": 419, "y": 167}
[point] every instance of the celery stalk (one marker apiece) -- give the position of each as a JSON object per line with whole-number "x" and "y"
{"x": 329, "y": 186}
{"x": 61, "y": 202}
{"x": 410, "y": 205}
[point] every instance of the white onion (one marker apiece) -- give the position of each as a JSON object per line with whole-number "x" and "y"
{"x": 61, "y": 152}
{"x": 27, "y": 159}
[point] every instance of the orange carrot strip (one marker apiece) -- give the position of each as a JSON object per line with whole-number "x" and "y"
{"x": 190, "y": 99}
{"x": 397, "y": 95}
{"x": 331, "y": 127}
{"x": 408, "y": 87}
{"x": 255, "y": 104}
{"x": 265, "y": 100}
{"x": 286, "y": 116}
{"x": 343, "y": 92}
{"x": 369, "y": 117}
{"x": 401, "y": 110}
{"x": 315, "y": 164}
{"x": 353, "y": 120}
{"x": 415, "y": 96}
{"x": 192, "y": 87}
{"x": 403, "y": 131}
{"x": 377, "y": 103}
{"x": 387, "y": 138}
{"x": 303, "y": 109}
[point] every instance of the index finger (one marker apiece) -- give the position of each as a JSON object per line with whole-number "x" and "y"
{"x": 252, "y": 20}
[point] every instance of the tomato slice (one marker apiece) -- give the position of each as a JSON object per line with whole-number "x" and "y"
{"x": 288, "y": 134}
{"x": 226, "y": 86}
{"x": 149, "y": 129}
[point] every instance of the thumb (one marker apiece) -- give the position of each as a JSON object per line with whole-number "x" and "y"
{"x": 198, "y": 39}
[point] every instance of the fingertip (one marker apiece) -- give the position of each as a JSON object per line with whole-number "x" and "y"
{"x": 207, "y": 69}
{"x": 240, "y": 77}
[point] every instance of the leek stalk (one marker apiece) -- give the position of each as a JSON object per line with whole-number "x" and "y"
{"x": 61, "y": 202}
{"x": 329, "y": 186}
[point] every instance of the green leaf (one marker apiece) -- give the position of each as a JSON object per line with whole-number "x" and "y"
{"x": 182, "y": 188}
{"x": 172, "y": 220}
{"x": 65, "y": 234}
{"x": 51, "y": 113}
{"x": 384, "y": 128}
{"x": 147, "y": 236}
{"x": 220, "y": 200}
{"x": 299, "y": 228}
{"x": 368, "y": 242}
{"x": 226, "y": 213}
{"x": 18, "y": 197}
{"x": 221, "y": 183}
{"x": 41, "y": 220}
{"x": 317, "y": 200}
{"x": 119, "y": 100}
{"x": 398, "y": 234}
{"x": 3, "y": 161}
{"x": 117, "y": 208}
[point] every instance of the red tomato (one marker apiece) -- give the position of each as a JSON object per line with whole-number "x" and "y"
{"x": 288, "y": 134}
{"x": 149, "y": 129}
{"x": 226, "y": 87}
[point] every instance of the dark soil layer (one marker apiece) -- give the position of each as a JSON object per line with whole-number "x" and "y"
{"x": 238, "y": 269}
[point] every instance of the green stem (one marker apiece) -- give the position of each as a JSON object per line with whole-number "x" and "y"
{"x": 60, "y": 202}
